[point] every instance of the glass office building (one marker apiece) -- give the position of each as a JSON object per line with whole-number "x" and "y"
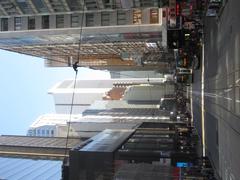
{"x": 29, "y": 169}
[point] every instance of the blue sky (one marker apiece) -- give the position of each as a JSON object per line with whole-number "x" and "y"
{"x": 24, "y": 86}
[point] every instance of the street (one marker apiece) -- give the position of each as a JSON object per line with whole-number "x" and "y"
{"x": 221, "y": 109}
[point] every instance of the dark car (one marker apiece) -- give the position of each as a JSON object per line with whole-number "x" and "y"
{"x": 213, "y": 7}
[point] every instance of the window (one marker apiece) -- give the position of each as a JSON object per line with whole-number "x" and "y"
{"x": 45, "y": 22}
{"x": 91, "y": 5}
{"x": 59, "y": 21}
{"x": 43, "y": 132}
{"x": 89, "y": 19}
{"x": 75, "y": 20}
{"x": 75, "y": 5}
{"x": 121, "y": 17}
{"x": 17, "y": 23}
{"x": 30, "y": 133}
{"x": 4, "y": 24}
{"x": 154, "y": 16}
{"x": 146, "y": 3}
{"x": 137, "y": 16}
{"x": 40, "y": 5}
{"x": 31, "y": 22}
{"x": 105, "y": 18}
{"x": 107, "y": 4}
{"x": 47, "y": 132}
{"x": 52, "y": 133}
{"x": 38, "y": 132}
{"x": 57, "y": 5}
{"x": 24, "y": 6}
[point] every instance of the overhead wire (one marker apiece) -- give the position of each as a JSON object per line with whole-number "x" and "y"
{"x": 70, "y": 114}
{"x": 75, "y": 67}
{"x": 92, "y": 68}
{"x": 79, "y": 42}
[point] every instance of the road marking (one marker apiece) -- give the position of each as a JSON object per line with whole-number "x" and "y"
{"x": 237, "y": 82}
{"x": 230, "y": 99}
{"x": 191, "y": 103}
{"x": 228, "y": 90}
{"x": 202, "y": 104}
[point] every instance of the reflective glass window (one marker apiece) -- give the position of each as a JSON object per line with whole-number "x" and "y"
{"x": 59, "y": 21}
{"x": 19, "y": 168}
{"x": 24, "y": 6}
{"x": 45, "y": 22}
{"x": 105, "y": 18}
{"x": 31, "y": 22}
{"x": 17, "y": 23}
{"x": 121, "y": 17}
{"x": 75, "y": 20}
{"x": 40, "y": 5}
{"x": 89, "y": 19}
{"x": 4, "y": 24}
{"x": 75, "y": 5}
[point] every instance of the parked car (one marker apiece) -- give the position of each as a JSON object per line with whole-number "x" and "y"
{"x": 213, "y": 7}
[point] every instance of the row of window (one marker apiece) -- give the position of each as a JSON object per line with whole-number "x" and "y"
{"x": 76, "y": 20}
{"x": 41, "y": 132}
{"x": 32, "y": 23}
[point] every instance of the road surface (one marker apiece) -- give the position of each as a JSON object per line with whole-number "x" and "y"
{"x": 221, "y": 91}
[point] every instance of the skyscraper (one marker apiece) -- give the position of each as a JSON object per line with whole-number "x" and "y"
{"x": 89, "y": 95}
{"x": 115, "y": 34}
{"x": 88, "y": 91}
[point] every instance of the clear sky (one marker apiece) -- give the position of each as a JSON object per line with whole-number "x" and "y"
{"x": 24, "y": 86}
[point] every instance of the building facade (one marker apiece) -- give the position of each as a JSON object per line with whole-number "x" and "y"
{"x": 115, "y": 34}
{"x": 51, "y": 125}
{"x": 88, "y": 91}
{"x": 98, "y": 106}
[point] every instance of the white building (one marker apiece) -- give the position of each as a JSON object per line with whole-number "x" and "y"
{"x": 88, "y": 96}
{"x": 88, "y": 91}
{"x": 148, "y": 92}
{"x": 51, "y": 125}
